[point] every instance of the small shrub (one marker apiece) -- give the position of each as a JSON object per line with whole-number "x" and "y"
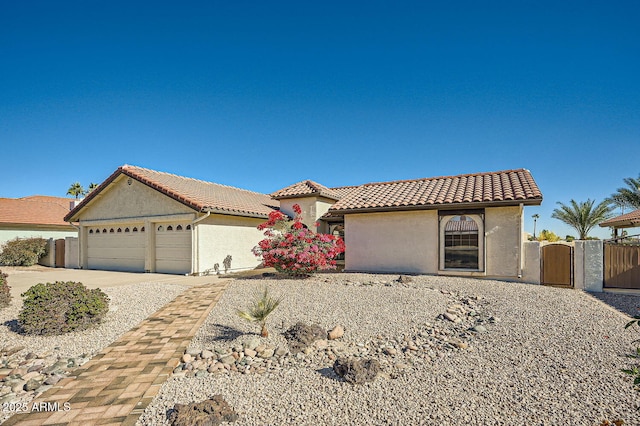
{"x": 262, "y": 305}
{"x": 23, "y": 251}
{"x": 61, "y": 307}
{"x": 5, "y": 293}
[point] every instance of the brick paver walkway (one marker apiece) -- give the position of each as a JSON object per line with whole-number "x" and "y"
{"x": 116, "y": 386}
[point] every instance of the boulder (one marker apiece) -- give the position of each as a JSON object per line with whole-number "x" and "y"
{"x": 301, "y": 335}
{"x": 357, "y": 371}
{"x": 209, "y": 412}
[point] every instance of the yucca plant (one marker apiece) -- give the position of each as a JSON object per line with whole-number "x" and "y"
{"x": 263, "y": 304}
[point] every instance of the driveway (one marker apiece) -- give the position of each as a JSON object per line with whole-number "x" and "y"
{"x": 21, "y": 279}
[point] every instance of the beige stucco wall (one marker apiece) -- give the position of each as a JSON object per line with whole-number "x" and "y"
{"x": 503, "y": 241}
{"x": 312, "y": 208}
{"x": 392, "y": 242}
{"x": 13, "y": 233}
{"x": 121, "y": 200}
{"x": 222, "y": 235}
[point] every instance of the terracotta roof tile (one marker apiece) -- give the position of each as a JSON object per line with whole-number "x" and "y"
{"x": 628, "y": 220}
{"x": 307, "y": 188}
{"x": 197, "y": 194}
{"x": 35, "y": 210}
{"x": 503, "y": 187}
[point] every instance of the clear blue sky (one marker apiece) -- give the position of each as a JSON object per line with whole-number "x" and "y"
{"x": 260, "y": 95}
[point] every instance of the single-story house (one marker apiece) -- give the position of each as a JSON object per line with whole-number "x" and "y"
{"x": 35, "y": 216}
{"x": 144, "y": 220}
{"x": 627, "y": 220}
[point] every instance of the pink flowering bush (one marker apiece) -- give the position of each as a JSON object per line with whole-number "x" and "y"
{"x": 293, "y": 249}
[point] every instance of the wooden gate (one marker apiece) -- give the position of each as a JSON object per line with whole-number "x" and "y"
{"x": 557, "y": 265}
{"x": 59, "y": 253}
{"x": 622, "y": 265}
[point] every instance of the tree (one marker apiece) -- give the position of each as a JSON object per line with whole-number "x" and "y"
{"x": 76, "y": 190}
{"x": 546, "y": 235}
{"x": 92, "y": 186}
{"x": 582, "y": 216}
{"x": 627, "y": 197}
{"x": 535, "y": 219}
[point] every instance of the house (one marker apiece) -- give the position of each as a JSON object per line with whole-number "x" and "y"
{"x": 628, "y": 220}
{"x": 144, "y": 220}
{"x": 34, "y": 216}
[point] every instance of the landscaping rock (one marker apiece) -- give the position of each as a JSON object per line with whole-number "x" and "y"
{"x": 301, "y": 335}
{"x": 404, "y": 279}
{"x": 209, "y": 412}
{"x": 336, "y": 333}
{"x": 357, "y": 371}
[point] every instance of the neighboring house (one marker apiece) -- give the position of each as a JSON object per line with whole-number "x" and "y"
{"x": 35, "y": 216}
{"x": 144, "y": 220}
{"x": 147, "y": 221}
{"x": 628, "y": 220}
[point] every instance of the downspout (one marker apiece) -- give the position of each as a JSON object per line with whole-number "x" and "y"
{"x": 521, "y": 248}
{"x": 195, "y": 263}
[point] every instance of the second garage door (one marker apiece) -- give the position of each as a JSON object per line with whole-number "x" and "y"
{"x": 173, "y": 248}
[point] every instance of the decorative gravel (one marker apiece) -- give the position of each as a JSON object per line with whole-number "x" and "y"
{"x": 549, "y": 356}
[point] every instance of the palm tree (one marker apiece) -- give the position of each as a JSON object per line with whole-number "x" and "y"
{"x": 76, "y": 190}
{"x": 627, "y": 197}
{"x": 263, "y": 304}
{"x": 92, "y": 186}
{"x": 535, "y": 218}
{"x": 582, "y": 216}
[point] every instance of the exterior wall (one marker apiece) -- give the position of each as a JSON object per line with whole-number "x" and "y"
{"x": 392, "y": 242}
{"x": 8, "y": 234}
{"x": 503, "y": 241}
{"x": 588, "y": 265}
{"x": 121, "y": 200}
{"x": 71, "y": 253}
{"x": 312, "y": 208}
{"x": 222, "y": 235}
{"x": 531, "y": 272}
{"x": 49, "y": 259}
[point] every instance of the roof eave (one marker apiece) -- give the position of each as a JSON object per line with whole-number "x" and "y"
{"x": 217, "y": 210}
{"x": 315, "y": 194}
{"x": 448, "y": 206}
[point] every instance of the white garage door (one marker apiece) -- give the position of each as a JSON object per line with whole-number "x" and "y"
{"x": 116, "y": 248}
{"x": 173, "y": 248}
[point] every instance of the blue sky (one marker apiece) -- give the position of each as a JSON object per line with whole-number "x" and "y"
{"x": 260, "y": 95}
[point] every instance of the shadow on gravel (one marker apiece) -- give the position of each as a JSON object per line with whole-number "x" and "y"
{"x": 626, "y": 303}
{"x": 13, "y": 325}
{"x": 329, "y": 374}
{"x": 226, "y": 333}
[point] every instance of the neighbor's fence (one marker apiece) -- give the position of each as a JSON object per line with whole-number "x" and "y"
{"x": 621, "y": 265}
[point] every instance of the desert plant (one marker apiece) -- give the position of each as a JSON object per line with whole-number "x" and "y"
{"x": 293, "y": 249}
{"x": 76, "y": 190}
{"x": 582, "y": 216}
{"x": 261, "y": 306}
{"x": 634, "y": 370}
{"x": 60, "y": 307}
{"x": 546, "y": 235}
{"x": 627, "y": 197}
{"x": 227, "y": 263}
{"x": 23, "y": 251}
{"x": 5, "y": 291}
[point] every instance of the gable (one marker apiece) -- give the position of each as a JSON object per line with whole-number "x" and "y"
{"x": 126, "y": 197}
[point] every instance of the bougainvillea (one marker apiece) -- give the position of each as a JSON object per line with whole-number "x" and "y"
{"x": 293, "y": 249}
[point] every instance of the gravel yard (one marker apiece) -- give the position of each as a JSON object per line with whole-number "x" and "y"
{"x": 536, "y": 355}
{"x": 129, "y": 305}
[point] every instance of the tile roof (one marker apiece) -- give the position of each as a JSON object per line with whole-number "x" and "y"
{"x": 628, "y": 220}
{"x": 198, "y": 194}
{"x": 36, "y": 210}
{"x": 305, "y": 189}
{"x": 509, "y": 187}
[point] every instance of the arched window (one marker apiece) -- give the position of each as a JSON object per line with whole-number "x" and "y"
{"x": 111, "y": 231}
{"x": 188, "y": 227}
{"x": 104, "y": 231}
{"x": 126, "y": 230}
{"x": 179, "y": 228}
{"x": 461, "y": 243}
{"x": 160, "y": 228}
{"x": 119, "y": 229}
{"x": 135, "y": 229}
{"x": 142, "y": 229}
{"x": 91, "y": 231}
{"x": 169, "y": 228}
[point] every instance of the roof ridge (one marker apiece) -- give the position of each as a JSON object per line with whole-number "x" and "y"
{"x": 131, "y": 167}
{"x": 445, "y": 177}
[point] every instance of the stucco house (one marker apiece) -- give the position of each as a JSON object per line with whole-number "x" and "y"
{"x": 144, "y": 220}
{"x": 34, "y": 216}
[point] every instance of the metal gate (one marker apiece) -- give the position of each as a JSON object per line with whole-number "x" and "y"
{"x": 622, "y": 265}
{"x": 59, "y": 262}
{"x": 557, "y": 265}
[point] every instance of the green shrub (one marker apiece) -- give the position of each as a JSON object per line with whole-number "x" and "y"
{"x": 60, "y": 307}
{"x": 23, "y": 251}
{"x": 5, "y": 293}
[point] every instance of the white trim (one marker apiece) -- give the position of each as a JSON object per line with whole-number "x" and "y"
{"x": 481, "y": 246}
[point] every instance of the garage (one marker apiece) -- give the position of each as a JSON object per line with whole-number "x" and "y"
{"x": 173, "y": 248}
{"x": 116, "y": 248}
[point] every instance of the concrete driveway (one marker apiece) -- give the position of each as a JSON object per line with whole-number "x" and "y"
{"x": 20, "y": 279}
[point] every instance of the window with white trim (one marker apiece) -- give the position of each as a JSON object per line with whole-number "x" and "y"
{"x": 462, "y": 242}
